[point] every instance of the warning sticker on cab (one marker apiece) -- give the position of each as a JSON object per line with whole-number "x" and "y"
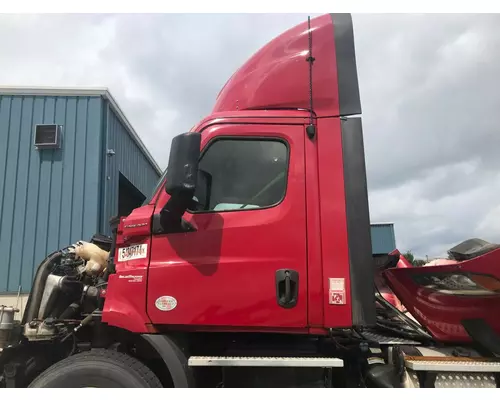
{"x": 337, "y": 291}
{"x": 132, "y": 252}
{"x": 337, "y": 297}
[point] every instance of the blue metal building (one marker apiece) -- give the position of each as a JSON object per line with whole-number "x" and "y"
{"x": 383, "y": 238}
{"x": 69, "y": 161}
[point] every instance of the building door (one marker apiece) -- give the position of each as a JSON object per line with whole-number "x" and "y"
{"x": 129, "y": 197}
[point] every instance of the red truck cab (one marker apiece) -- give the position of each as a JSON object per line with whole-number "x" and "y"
{"x": 278, "y": 239}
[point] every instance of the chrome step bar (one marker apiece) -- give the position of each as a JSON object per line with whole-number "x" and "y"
{"x": 317, "y": 362}
{"x": 447, "y": 365}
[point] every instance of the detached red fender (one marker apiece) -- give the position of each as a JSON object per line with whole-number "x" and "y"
{"x": 442, "y": 297}
{"x": 381, "y": 284}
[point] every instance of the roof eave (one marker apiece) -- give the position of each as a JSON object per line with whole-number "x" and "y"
{"x": 76, "y": 91}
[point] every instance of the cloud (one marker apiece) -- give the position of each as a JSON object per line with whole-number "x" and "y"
{"x": 428, "y": 87}
{"x": 431, "y": 125}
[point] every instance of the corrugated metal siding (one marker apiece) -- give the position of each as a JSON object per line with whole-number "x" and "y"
{"x": 383, "y": 238}
{"x": 48, "y": 198}
{"x": 128, "y": 160}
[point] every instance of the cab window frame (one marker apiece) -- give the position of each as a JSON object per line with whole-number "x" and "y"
{"x": 212, "y": 141}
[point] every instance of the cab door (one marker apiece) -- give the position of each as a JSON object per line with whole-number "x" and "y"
{"x": 244, "y": 264}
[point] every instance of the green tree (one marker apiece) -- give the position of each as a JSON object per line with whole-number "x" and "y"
{"x": 416, "y": 262}
{"x": 409, "y": 256}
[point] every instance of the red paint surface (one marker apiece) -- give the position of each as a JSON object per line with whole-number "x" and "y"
{"x": 125, "y": 305}
{"x": 224, "y": 273}
{"x": 315, "y": 266}
{"x": 381, "y": 282}
{"x": 277, "y": 76}
{"x": 403, "y": 262}
{"x": 442, "y": 313}
{"x": 126, "y": 292}
{"x": 137, "y": 225}
{"x": 334, "y": 245}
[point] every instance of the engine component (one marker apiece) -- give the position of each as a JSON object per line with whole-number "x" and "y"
{"x": 6, "y": 324}
{"x": 90, "y": 297}
{"x": 54, "y": 286}
{"x": 37, "y": 331}
{"x": 95, "y": 257}
{"x": 58, "y": 288}
{"x": 91, "y": 292}
{"x": 104, "y": 242}
{"x": 71, "y": 311}
{"x": 38, "y": 287}
{"x": 49, "y": 294}
{"x": 84, "y": 322}
{"x": 71, "y": 265}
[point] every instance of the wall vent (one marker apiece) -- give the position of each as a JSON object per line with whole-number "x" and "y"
{"x": 48, "y": 136}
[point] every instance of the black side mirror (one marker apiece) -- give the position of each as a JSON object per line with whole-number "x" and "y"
{"x": 182, "y": 170}
{"x": 182, "y": 175}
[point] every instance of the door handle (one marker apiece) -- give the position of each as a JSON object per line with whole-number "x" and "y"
{"x": 287, "y": 287}
{"x": 288, "y": 292}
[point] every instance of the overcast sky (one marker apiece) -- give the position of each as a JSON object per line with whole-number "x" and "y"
{"x": 429, "y": 88}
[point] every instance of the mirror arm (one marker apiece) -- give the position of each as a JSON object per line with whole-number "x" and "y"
{"x": 170, "y": 220}
{"x": 161, "y": 225}
{"x": 178, "y": 203}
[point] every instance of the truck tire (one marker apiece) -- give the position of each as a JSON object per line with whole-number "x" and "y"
{"x": 97, "y": 369}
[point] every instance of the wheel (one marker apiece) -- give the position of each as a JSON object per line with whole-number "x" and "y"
{"x": 97, "y": 369}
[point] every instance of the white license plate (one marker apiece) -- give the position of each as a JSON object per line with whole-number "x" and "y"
{"x": 132, "y": 252}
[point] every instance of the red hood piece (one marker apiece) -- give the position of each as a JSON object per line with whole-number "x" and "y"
{"x": 381, "y": 283}
{"x": 403, "y": 262}
{"x": 438, "y": 301}
{"x": 277, "y": 76}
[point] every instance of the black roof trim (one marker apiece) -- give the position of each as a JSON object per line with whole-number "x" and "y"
{"x": 347, "y": 74}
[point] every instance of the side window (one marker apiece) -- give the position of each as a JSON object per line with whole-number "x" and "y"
{"x": 242, "y": 174}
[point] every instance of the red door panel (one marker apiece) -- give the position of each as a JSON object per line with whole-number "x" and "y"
{"x": 223, "y": 274}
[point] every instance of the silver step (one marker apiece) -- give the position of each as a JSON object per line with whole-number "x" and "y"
{"x": 198, "y": 361}
{"x": 453, "y": 366}
{"x": 467, "y": 380}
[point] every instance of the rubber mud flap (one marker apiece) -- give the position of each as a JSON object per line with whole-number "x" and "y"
{"x": 383, "y": 376}
{"x": 174, "y": 358}
{"x": 97, "y": 369}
